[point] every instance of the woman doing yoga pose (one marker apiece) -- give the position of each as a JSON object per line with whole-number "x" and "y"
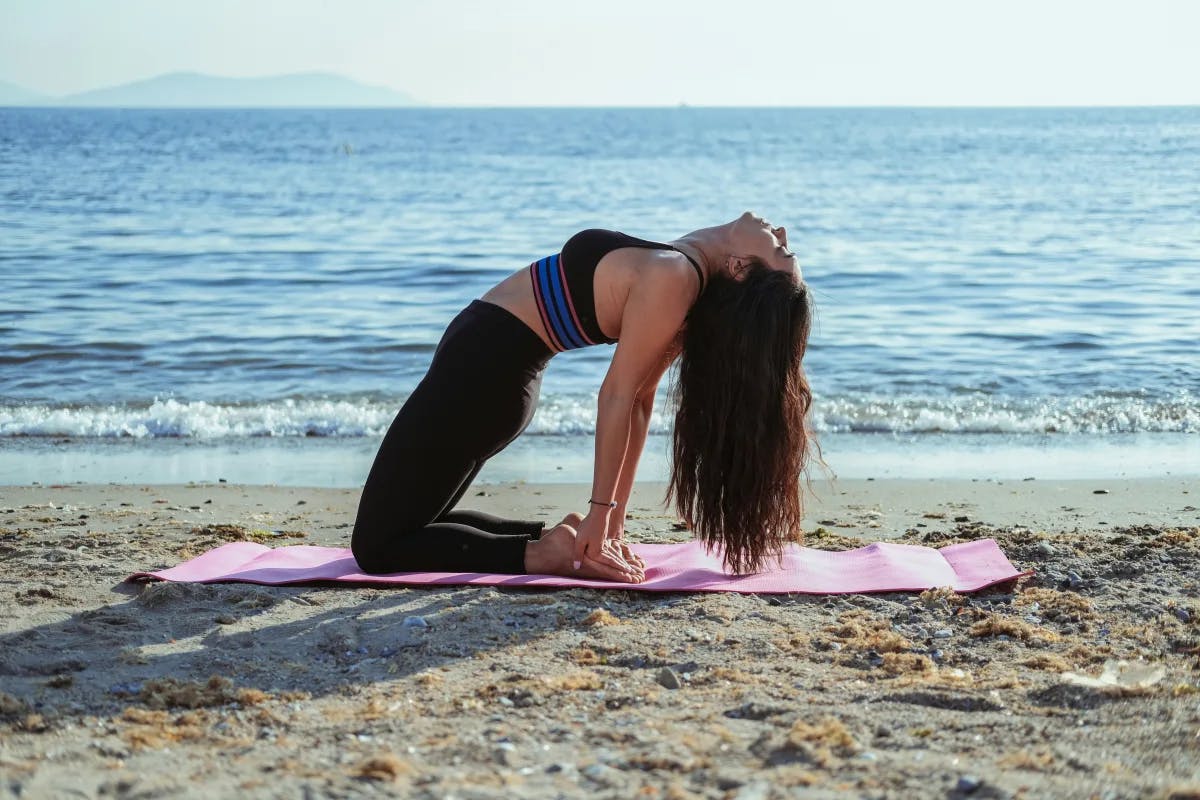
{"x": 728, "y": 301}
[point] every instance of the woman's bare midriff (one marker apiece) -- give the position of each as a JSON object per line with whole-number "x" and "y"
{"x": 515, "y": 295}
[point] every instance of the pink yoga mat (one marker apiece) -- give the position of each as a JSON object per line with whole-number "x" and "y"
{"x": 879, "y": 567}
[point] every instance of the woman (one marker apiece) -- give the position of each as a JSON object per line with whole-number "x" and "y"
{"x": 729, "y": 300}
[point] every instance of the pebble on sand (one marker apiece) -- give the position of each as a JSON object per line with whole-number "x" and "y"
{"x": 667, "y": 678}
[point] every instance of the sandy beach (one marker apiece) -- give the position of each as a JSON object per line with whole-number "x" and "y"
{"x": 116, "y": 689}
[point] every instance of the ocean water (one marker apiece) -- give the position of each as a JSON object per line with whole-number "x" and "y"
{"x": 193, "y": 293}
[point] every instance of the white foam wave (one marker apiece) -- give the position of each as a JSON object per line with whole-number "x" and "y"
{"x": 198, "y": 419}
{"x": 576, "y": 415}
{"x": 974, "y": 414}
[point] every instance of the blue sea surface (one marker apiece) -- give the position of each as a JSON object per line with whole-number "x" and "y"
{"x": 225, "y": 282}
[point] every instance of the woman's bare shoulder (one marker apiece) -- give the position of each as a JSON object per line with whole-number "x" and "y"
{"x": 667, "y": 271}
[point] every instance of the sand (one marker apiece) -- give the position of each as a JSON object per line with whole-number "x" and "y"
{"x": 117, "y": 689}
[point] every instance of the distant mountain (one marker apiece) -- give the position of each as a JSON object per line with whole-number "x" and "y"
{"x": 193, "y": 90}
{"x": 13, "y": 95}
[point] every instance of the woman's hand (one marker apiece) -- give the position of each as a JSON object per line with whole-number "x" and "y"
{"x": 596, "y": 551}
{"x": 616, "y": 535}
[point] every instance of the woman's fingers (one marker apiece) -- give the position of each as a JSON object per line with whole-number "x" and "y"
{"x": 631, "y": 558}
{"x": 622, "y": 551}
{"x": 613, "y": 553}
{"x": 618, "y": 539}
{"x": 612, "y": 569}
{"x": 610, "y": 553}
{"x": 626, "y": 553}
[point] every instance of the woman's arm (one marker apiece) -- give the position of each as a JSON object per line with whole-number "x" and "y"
{"x": 639, "y": 428}
{"x": 653, "y": 315}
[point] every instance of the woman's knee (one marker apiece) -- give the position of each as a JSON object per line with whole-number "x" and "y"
{"x": 366, "y": 551}
{"x": 375, "y": 549}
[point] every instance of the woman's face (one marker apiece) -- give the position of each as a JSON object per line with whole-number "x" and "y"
{"x": 753, "y": 236}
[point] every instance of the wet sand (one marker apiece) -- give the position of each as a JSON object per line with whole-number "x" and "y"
{"x": 119, "y": 689}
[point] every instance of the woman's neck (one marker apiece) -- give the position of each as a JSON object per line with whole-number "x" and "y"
{"x": 708, "y": 246}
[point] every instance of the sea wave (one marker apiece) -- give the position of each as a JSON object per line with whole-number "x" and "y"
{"x": 198, "y": 419}
{"x": 986, "y": 414}
{"x": 565, "y": 415}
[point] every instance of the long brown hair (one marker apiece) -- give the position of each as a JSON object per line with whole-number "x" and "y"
{"x": 742, "y": 437}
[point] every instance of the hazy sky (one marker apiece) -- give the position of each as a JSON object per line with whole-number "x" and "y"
{"x": 633, "y": 52}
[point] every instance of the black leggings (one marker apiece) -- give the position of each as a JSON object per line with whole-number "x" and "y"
{"x": 479, "y": 394}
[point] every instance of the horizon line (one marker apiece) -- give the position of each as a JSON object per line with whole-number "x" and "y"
{"x": 43, "y": 100}
{"x": 682, "y": 106}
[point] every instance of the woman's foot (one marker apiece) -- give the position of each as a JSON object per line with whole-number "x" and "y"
{"x": 554, "y": 554}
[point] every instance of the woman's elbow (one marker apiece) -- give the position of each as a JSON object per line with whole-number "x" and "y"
{"x": 617, "y": 397}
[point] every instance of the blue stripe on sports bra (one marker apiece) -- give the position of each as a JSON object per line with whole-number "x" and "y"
{"x": 567, "y": 330}
{"x": 554, "y": 305}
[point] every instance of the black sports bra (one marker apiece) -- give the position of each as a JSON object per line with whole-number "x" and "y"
{"x": 562, "y": 285}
